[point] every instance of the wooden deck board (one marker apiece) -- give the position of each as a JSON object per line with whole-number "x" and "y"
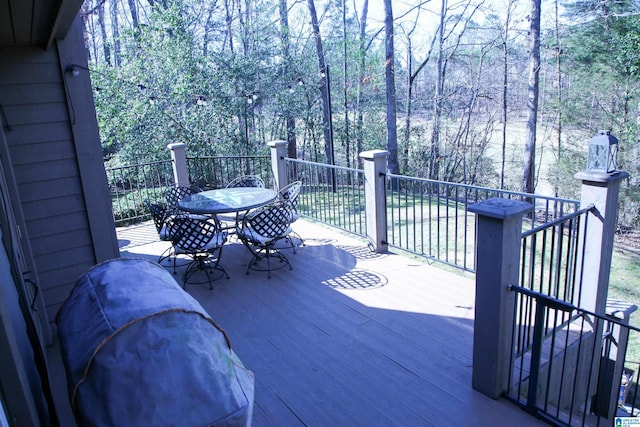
{"x": 347, "y": 338}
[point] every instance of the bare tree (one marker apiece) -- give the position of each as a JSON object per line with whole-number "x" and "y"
{"x": 434, "y": 166}
{"x": 505, "y": 81}
{"x": 558, "y": 52}
{"x": 345, "y": 85}
{"x": 528, "y": 177}
{"x": 461, "y": 18}
{"x": 324, "y": 84}
{"x": 134, "y": 14}
{"x": 390, "y": 83}
{"x": 115, "y": 33}
{"x": 286, "y": 53}
{"x": 208, "y": 29}
{"x": 103, "y": 33}
{"x": 411, "y": 76}
{"x": 228, "y": 7}
{"x": 362, "y": 52}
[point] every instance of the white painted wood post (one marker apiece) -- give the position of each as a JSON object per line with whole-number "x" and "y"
{"x": 602, "y": 191}
{"x": 499, "y": 223}
{"x": 375, "y": 168}
{"x": 179, "y": 163}
{"x": 278, "y": 165}
{"x": 618, "y": 340}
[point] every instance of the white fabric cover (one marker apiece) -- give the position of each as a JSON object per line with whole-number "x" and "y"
{"x": 140, "y": 351}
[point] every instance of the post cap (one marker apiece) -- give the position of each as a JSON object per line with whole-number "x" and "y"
{"x": 500, "y": 208}
{"x": 374, "y": 154}
{"x": 277, "y": 143}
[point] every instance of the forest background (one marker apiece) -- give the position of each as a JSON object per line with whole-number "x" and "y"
{"x": 444, "y": 85}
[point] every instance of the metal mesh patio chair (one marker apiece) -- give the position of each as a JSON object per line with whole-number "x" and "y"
{"x": 201, "y": 239}
{"x": 261, "y": 229}
{"x": 246, "y": 181}
{"x": 160, "y": 214}
{"x": 289, "y": 195}
{"x": 174, "y": 194}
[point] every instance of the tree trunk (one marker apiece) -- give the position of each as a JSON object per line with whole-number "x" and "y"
{"x": 324, "y": 85}
{"x": 292, "y": 150}
{"x": 408, "y": 101}
{"x": 505, "y": 91}
{"x": 361, "y": 76}
{"x": 528, "y": 178}
{"x": 229, "y": 21}
{"x": 134, "y": 15}
{"x": 434, "y": 167}
{"x": 392, "y": 131}
{"x": 103, "y": 32}
{"x": 115, "y": 32}
{"x": 560, "y": 106}
{"x": 88, "y": 33}
{"x": 347, "y": 145}
{"x": 208, "y": 28}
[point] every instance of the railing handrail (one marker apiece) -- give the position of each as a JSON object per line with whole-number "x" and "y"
{"x": 487, "y": 189}
{"x": 538, "y": 374}
{"x": 259, "y": 156}
{"x": 557, "y": 221}
{"x": 308, "y": 162}
{"x": 155, "y": 162}
{"x": 548, "y": 300}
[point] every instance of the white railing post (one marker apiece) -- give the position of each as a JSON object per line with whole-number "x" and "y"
{"x": 601, "y": 190}
{"x": 278, "y": 165}
{"x": 499, "y": 225}
{"x": 375, "y": 167}
{"x": 179, "y": 163}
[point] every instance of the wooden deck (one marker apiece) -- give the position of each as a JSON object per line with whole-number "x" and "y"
{"x": 348, "y": 338}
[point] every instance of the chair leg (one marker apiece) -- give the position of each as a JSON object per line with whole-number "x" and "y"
{"x": 268, "y": 256}
{"x": 200, "y": 263}
{"x": 167, "y": 254}
{"x": 268, "y": 252}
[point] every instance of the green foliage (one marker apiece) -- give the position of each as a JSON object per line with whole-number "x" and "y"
{"x": 224, "y": 82}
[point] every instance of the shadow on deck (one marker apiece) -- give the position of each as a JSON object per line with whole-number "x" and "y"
{"x": 347, "y": 338}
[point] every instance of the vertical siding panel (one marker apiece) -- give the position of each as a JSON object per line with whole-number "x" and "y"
{"x": 87, "y": 144}
{"x": 58, "y": 164}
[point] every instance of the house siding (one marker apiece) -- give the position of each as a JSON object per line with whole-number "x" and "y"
{"x": 57, "y": 160}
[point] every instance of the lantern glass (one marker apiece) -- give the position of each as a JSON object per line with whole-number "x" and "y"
{"x": 603, "y": 153}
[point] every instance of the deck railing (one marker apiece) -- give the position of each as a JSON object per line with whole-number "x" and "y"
{"x": 333, "y": 195}
{"x": 577, "y": 372}
{"x": 431, "y": 218}
{"x": 131, "y": 185}
{"x": 569, "y": 366}
{"x": 550, "y": 255}
{"x": 425, "y": 217}
{"x": 209, "y": 172}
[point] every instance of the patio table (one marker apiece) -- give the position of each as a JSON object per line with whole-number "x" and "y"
{"x": 227, "y": 200}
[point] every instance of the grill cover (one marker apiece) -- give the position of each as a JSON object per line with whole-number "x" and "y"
{"x": 140, "y": 351}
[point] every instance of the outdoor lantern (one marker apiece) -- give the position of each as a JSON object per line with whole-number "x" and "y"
{"x": 603, "y": 153}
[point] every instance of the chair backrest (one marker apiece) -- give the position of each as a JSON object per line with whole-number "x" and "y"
{"x": 174, "y": 194}
{"x": 159, "y": 214}
{"x": 246, "y": 181}
{"x": 289, "y": 194}
{"x": 270, "y": 221}
{"x": 195, "y": 234}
